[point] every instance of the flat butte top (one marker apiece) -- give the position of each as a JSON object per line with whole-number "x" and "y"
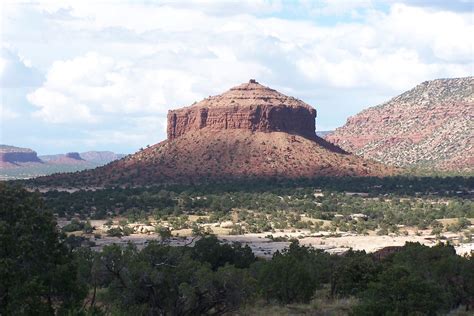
{"x": 248, "y": 95}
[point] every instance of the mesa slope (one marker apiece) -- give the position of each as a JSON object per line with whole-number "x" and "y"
{"x": 251, "y": 131}
{"x": 429, "y": 126}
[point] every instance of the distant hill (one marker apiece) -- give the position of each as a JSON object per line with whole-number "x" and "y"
{"x": 101, "y": 157}
{"x": 23, "y": 163}
{"x": 96, "y": 157}
{"x": 71, "y": 158}
{"x": 250, "y": 131}
{"x": 430, "y": 126}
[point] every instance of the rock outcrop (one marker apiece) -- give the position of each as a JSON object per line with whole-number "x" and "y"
{"x": 251, "y": 131}
{"x": 71, "y": 158}
{"x": 10, "y": 155}
{"x": 250, "y": 106}
{"x": 74, "y": 156}
{"x": 430, "y": 126}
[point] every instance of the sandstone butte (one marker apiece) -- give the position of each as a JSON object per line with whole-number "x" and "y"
{"x": 71, "y": 158}
{"x": 11, "y": 156}
{"x": 430, "y": 126}
{"x": 250, "y": 131}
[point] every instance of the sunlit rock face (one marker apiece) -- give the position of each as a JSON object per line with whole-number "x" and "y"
{"x": 429, "y": 126}
{"x": 249, "y": 106}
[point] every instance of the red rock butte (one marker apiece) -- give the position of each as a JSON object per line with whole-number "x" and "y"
{"x": 12, "y": 156}
{"x": 249, "y": 106}
{"x": 250, "y": 131}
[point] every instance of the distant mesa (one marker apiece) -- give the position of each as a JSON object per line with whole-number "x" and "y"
{"x": 74, "y": 155}
{"x": 100, "y": 157}
{"x": 94, "y": 157}
{"x": 23, "y": 163}
{"x": 11, "y": 156}
{"x": 430, "y": 126}
{"x": 250, "y": 131}
{"x": 71, "y": 158}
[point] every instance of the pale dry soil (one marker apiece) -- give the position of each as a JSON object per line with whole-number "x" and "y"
{"x": 263, "y": 246}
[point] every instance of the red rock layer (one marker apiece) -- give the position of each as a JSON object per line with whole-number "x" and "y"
{"x": 262, "y": 118}
{"x": 250, "y": 107}
{"x": 430, "y": 126}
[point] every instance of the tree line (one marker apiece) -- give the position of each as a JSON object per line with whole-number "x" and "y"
{"x": 441, "y": 198}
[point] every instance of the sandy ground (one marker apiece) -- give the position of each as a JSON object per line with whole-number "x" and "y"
{"x": 265, "y": 247}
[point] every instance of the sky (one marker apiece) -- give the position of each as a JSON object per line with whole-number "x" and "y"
{"x": 101, "y": 75}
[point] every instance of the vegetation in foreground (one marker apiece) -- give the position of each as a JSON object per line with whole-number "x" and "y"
{"x": 42, "y": 273}
{"x": 340, "y": 205}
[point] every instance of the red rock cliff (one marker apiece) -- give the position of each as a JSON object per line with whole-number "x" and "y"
{"x": 249, "y": 106}
{"x": 11, "y": 154}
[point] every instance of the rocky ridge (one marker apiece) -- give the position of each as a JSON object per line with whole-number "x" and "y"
{"x": 100, "y": 157}
{"x": 429, "y": 126}
{"x": 71, "y": 158}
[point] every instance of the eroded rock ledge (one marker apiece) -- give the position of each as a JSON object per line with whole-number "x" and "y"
{"x": 249, "y": 106}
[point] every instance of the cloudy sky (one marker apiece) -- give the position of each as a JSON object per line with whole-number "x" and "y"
{"x": 101, "y": 75}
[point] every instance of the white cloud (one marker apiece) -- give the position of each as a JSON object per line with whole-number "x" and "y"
{"x": 90, "y": 87}
{"x": 336, "y": 7}
{"x": 15, "y": 70}
{"x": 451, "y": 5}
{"x": 186, "y": 27}
{"x": 142, "y": 131}
{"x": 7, "y": 114}
{"x": 395, "y": 50}
{"x": 447, "y": 35}
{"x": 59, "y": 108}
{"x": 397, "y": 70}
{"x": 137, "y": 60}
{"x": 190, "y": 54}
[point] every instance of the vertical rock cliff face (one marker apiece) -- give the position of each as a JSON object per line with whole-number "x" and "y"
{"x": 251, "y": 107}
{"x": 13, "y": 155}
{"x": 74, "y": 155}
